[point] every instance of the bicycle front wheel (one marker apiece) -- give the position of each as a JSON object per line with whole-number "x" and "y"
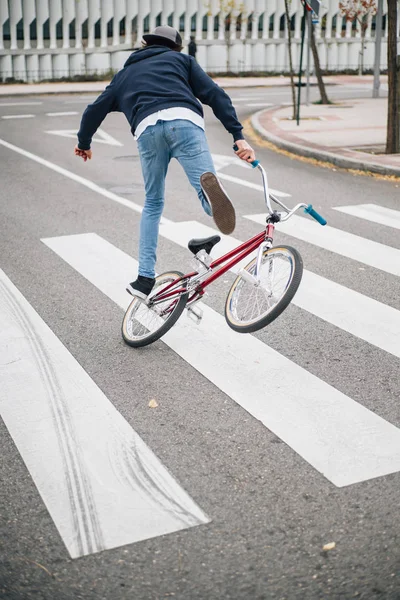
{"x": 252, "y": 306}
{"x": 143, "y": 324}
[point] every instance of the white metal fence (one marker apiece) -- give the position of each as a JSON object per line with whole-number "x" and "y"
{"x": 46, "y": 39}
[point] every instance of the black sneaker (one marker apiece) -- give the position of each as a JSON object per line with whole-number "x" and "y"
{"x": 141, "y": 287}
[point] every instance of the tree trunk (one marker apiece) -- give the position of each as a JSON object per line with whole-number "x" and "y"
{"x": 228, "y": 48}
{"x": 362, "y": 51}
{"x": 317, "y": 66}
{"x": 392, "y": 136}
{"x": 290, "y": 59}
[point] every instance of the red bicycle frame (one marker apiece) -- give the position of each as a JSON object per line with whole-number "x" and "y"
{"x": 233, "y": 257}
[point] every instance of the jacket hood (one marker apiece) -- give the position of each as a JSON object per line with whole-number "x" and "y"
{"x": 142, "y": 53}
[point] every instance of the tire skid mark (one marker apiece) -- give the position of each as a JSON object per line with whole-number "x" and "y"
{"x": 139, "y": 475}
{"x": 83, "y": 511}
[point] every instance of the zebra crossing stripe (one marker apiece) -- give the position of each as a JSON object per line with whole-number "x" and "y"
{"x": 368, "y": 319}
{"x": 341, "y": 242}
{"x": 343, "y": 440}
{"x": 374, "y": 213}
{"x": 102, "y": 485}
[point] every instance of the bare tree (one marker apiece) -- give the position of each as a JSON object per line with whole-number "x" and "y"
{"x": 392, "y": 137}
{"x": 317, "y": 68}
{"x": 360, "y": 11}
{"x": 291, "y": 73}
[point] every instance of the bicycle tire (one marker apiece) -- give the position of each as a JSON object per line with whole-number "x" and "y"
{"x": 240, "y": 285}
{"x": 139, "y": 341}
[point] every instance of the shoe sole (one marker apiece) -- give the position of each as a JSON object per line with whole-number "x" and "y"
{"x": 222, "y": 209}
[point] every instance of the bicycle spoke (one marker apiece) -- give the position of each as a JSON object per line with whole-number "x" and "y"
{"x": 143, "y": 320}
{"x": 249, "y": 302}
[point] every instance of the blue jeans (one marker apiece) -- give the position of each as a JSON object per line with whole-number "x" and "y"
{"x": 178, "y": 139}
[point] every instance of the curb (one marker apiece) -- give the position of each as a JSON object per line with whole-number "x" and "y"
{"x": 335, "y": 159}
{"x": 6, "y": 90}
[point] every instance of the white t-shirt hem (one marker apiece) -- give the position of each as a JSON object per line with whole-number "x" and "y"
{"x": 169, "y": 114}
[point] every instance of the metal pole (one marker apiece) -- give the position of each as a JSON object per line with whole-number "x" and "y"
{"x": 309, "y": 23}
{"x": 398, "y": 104}
{"x": 303, "y": 30}
{"x": 378, "y": 43}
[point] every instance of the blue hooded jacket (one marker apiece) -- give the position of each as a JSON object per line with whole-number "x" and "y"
{"x": 153, "y": 79}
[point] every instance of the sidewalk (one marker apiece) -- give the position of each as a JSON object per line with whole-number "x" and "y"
{"x": 349, "y": 134}
{"x": 85, "y": 87}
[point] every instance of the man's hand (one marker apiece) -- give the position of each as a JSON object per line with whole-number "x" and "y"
{"x": 245, "y": 151}
{"x": 85, "y": 154}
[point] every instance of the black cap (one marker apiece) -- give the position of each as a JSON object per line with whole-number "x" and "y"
{"x": 165, "y": 35}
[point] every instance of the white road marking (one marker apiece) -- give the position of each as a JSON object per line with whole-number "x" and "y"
{"x": 374, "y": 213}
{"x": 368, "y": 319}
{"x": 17, "y": 116}
{"x": 340, "y": 438}
{"x": 248, "y": 98}
{"x": 80, "y": 98}
{"x": 20, "y": 104}
{"x": 62, "y": 114}
{"x": 223, "y": 160}
{"x": 261, "y": 104}
{"x": 100, "y": 136}
{"x": 250, "y": 184}
{"x": 82, "y": 180}
{"x": 102, "y": 485}
{"x": 341, "y": 242}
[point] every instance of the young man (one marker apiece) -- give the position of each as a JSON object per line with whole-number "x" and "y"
{"x": 159, "y": 90}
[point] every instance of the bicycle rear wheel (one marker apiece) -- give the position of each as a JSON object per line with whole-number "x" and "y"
{"x": 249, "y": 306}
{"x": 143, "y": 324}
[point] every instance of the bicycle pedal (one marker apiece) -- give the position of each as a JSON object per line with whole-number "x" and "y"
{"x": 248, "y": 277}
{"x": 196, "y": 314}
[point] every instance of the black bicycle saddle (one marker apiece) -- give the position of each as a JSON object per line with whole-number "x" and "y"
{"x": 206, "y": 244}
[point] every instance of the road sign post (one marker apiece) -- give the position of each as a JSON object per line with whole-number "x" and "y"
{"x": 378, "y": 43}
{"x": 308, "y": 69}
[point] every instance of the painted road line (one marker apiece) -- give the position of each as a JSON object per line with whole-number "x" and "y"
{"x": 260, "y": 104}
{"x": 20, "y": 104}
{"x": 374, "y": 213}
{"x": 367, "y": 319}
{"x": 17, "y": 116}
{"x": 101, "y": 136}
{"x": 82, "y": 180}
{"x": 80, "y": 100}
{"x": 250, "y": 184}
{"x": 248, "y": 98}
{"x": 343, "y": 440}
{"x": 224, "y": 160}
{"x": 62, "y": 114}
{"x": 101, "y": 484}
{"x": 341, "y": 242}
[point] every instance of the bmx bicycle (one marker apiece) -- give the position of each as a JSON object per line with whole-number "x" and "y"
{"x": 261, "y": 291}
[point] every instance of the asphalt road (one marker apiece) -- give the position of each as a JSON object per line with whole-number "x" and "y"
{"x": 271, "y": 507}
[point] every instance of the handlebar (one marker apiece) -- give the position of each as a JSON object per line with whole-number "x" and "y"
{"x": 313, "y": 213}
{"x": 268, "y": 197}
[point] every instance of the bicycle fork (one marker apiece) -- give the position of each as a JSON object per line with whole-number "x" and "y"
{"x": 254, "y": 279}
